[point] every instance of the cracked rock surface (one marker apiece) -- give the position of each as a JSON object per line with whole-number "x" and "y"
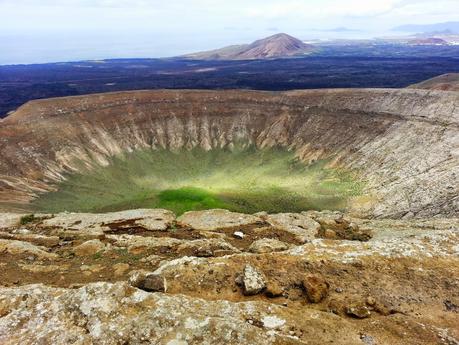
{"x": 184, "y": 283}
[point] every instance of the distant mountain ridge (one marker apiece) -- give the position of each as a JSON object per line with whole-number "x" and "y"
{"x": 276, "y": 46}
{"x": 428, "y": 41}
{"x": 450, "y": 27}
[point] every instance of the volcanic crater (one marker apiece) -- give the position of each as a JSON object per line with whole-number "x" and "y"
{"x": 373, "y": 152}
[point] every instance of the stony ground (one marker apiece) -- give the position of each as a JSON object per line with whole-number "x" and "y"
{"x": 216, "y": 277}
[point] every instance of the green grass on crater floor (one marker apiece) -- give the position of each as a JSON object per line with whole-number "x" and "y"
{"x": 245, "y": 180}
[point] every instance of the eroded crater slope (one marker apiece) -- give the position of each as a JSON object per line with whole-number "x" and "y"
{"x": 399, "y": 146}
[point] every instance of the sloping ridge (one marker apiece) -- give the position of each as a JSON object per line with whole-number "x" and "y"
{"x": 403, "y": 143}
{"x": 446, "y": 82}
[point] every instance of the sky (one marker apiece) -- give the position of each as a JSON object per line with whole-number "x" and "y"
{"x": 34, "y": 31}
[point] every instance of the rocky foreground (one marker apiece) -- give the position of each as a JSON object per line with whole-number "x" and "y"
{"x": 216, "y": 277}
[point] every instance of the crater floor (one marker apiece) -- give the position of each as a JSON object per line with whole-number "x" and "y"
{"x": 244, "y": 179}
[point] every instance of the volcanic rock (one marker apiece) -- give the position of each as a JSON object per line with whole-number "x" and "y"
{"x": 274, "y": 289}
{"x": 302, "y": 226}
{"x": 139, "y": 244}
{"x": 137, "y": 277}
{"x": 207, "y": 247}
{"x": 89, "y": 248}
{"x": 149, "y": 220}
{"x": 399, "y": 145}
{"x": 8, "y": 220}
{"x": 267, "y": 245}
{"x": 405, "y": 275}
{"x": 18, "y": 247}
{"x": 154, "y": 283}
{"x": 335, "y": 226}
{"x": 212, "y": 220}
{"x": 106, "y": 313}
{"x": 152, "y": 260}
{"x": 252, "y": 280}
{"x": 27, "y": 236}
{"x": 239, "y": 234}
{"x": 316, "y": 288}
{"x": 120, "y": 269}
{"x": 358, "y": 311}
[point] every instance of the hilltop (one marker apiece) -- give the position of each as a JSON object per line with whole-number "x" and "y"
{"x": 276, "y": 46}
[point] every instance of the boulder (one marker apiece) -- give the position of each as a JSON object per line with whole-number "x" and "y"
{"x": 154, "y": 283}
{"x": 206, "y": 248}
{"x": 334, "y": 225}
{"x": 14, "y": 247}
{"x": 274, "y": 289}
{"x": 238, "y": 234}
{"x": 146, "y": 219}
{"x": 358, "y": 311}
{"x": 120, "y": 268}
{"x": 268, "y": 245}
{"x": 89, "y": 248}
{"x": 253, "y": 282}
{"x": 137, "y": 277}
{"x": 211, "y": 220}
{"x": 303, "y": 227}
{"x": 316, "y": 288}
{"x": 147, "y": 281}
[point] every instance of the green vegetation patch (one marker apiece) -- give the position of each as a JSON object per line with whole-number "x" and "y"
{"x": 243, "y": 179}
{"x": 29, "y": 218}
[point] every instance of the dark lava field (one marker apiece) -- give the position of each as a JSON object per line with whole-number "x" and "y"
{"x": 384, "y": 66}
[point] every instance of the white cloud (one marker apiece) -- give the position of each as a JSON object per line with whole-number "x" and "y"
{"x": 213, "y": 16}
{"x": 267, "y": 9}
{"x": 326, "y": 8}
{"x": 272, "y": 9}
{"x": 415, "y": 9}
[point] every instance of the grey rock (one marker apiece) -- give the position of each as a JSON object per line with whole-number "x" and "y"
{"x": 253, "y": 282}
{"x": 154, "y": 283}
{"x": 358, "y": 311}
{"x": 212, "y": 220}
{"x": 137, "y": 277}
{"x": 150, "y": 220}
{"x": 303, "y": 227}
